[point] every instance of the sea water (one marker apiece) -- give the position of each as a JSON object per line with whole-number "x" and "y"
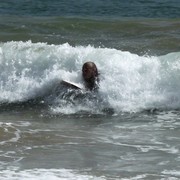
{"x": 129, "y": 129}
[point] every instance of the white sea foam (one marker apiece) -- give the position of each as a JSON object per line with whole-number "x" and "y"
{"x": 43, "y": 174}
{"x": 128, "y": 82}
{"x": 172, "y": 172}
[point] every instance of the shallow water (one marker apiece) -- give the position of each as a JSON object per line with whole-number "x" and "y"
{"x": 128, "y": 146}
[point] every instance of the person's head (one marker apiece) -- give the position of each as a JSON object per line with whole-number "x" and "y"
{"x": 90, "y": 74}
{"x": 89, "y": 71}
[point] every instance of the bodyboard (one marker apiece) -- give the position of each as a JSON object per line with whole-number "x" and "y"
{"x": 71, "y": 85}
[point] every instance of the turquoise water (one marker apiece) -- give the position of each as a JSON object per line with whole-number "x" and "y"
{"x": 129, "y": 129}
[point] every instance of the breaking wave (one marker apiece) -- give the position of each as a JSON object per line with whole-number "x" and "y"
{"x": 128, "y": 82}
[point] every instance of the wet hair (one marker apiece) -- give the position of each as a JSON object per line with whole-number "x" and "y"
{"x": 91, "y": 82}
{"x": 90, "y": 65}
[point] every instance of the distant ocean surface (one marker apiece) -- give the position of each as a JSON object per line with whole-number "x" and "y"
{"x": 130, "y": 129}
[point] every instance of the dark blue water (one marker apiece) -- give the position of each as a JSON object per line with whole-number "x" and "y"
{"x": 92, "y": 8}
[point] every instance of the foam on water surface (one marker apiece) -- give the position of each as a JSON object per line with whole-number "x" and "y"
{"x": 128, "y": 82}
{"x": 43, "y": 174}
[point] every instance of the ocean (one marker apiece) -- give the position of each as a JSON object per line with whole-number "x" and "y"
{"x": 129, "y": 129}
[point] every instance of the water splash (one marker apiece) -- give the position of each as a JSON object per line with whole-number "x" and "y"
{"x": 128, "y": 82}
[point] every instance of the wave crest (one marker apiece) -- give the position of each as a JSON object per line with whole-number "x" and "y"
{"x": 128, "y": 82}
